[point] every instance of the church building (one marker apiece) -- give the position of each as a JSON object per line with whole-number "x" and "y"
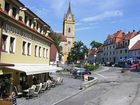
{"x": 66, "y": 37}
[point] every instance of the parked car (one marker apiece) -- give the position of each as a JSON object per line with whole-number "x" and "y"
{"x": 108, "y": 63}
{"x": 80, "y": 72}
{"x": 134, "y": 66}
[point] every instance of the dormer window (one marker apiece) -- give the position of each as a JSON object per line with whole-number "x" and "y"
{"x": 7, "y": 7}
{"x": 40, "y": 29}
{"x": 20, "y": 18}
{"x": 25, "y": 20}
{"x": 30, "y": 22}
{"x": 37, "y": 26}
{"x": 14, "y": 12}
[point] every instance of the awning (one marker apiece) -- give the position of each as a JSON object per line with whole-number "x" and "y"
{"x": 34, "y": 68}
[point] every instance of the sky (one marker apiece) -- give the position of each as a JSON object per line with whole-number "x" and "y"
{"x": 94, "y": 19}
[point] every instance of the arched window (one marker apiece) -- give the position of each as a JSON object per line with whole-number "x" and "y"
{"x": 69, "y": 30}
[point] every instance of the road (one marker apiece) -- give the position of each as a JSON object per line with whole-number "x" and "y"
{"x": 112, "y": 88}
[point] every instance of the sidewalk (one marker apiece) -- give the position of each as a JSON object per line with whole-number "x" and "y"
{"x": 69, "y": 87}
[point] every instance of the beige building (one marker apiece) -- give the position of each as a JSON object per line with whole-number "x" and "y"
{"x": 24, "y": 46}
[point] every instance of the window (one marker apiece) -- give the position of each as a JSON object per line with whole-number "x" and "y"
{"x": 30, "y": 22}
{"x": 4, "y": 42}
{"x": 39, "y": 51}
{"x": 20, "y": 18}
{"x": 120, "y": 51}
{"x": 12, "y": 42}
{"x": 125, "y": 50}
{"x": 14, "y": 12}
{"x": 41, "y": 29}
{"x": 25, "y": 20}
{"x": 36, "y": 50}
{"x": 7, "y": 7}
{"x": 46, "y": 53}
{"x": 29, "y": 49}
{"x": 113, "y": 46}
{"x": 37, "y": 26}
{"x": 43, "y": 52}
{"x": 69, "y": 30}
{"x": 106, "y": 53}
{"x": 23, "y": 47}
{"x": 69, "y": 42}
{"x": 113, "y": 52}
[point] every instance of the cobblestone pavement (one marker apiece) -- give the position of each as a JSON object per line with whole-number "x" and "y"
{"x": 69, "y": 87}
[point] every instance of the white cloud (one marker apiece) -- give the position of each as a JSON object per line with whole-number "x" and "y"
{"x": 82, "y": 28}
{"x": 78, "y": 24}
{"x": 57, "y": 6}
{"x": 107, "y": 14}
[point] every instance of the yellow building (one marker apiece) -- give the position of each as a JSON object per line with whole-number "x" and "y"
{"x": 24, "y": 46}
{"x": 68, "y": 32}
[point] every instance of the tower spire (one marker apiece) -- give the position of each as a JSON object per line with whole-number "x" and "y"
{"x": 69, "y": 9}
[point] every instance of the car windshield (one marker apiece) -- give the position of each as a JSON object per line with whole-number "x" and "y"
{"x": 82, "y": 69}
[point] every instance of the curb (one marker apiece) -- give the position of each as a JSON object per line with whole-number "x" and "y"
{"x": 89, "y": 83}
{"x": 67, "y": 97}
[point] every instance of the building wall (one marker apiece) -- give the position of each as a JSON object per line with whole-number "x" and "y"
{"x": 134, "y": 53}
{"x": 17, "y": 56}
{"x": 16, "y": 28}
{"x": 69, "y": 36}
{"x": 112, "y": 54}
{"x": 23, "y": 31}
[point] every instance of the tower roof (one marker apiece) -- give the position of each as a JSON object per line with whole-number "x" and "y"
{"x": 69, "y": 12}
{"x": 69, "y": 9}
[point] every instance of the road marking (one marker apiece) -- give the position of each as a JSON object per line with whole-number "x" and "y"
{"x": 105, "y": 69}
{"x": 100, "y": 75}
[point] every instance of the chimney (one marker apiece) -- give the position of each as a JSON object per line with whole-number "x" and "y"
{"x": 138, "y": 32}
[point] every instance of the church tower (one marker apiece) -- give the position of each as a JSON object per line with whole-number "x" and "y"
{"x": 68, "y": 31}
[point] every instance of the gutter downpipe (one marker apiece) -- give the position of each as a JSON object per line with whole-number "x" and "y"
{"x": 1, "y": 31}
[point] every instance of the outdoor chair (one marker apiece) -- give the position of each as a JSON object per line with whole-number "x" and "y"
{"x": 59, "y": 80}
{"x": 19, "y": 94}
{"x": 30, "y": 93}
{"x": 49, "y": 82}
{"x": 44, "y": 86}
{"x": 33, "y": 87}
{"x": 38, "y": 89}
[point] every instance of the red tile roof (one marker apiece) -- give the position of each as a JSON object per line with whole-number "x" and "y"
{"x": 92, "y": 51}
{"x": 100, "y": 48}
{"x": 136, "y": 46}
{"x": 61, "y": 37}
{"x": 130, "y": 35}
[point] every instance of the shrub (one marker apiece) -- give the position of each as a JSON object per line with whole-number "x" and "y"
{"x": 91, "y": 67}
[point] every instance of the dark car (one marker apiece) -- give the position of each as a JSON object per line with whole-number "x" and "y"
{"x": 80, "y": 72}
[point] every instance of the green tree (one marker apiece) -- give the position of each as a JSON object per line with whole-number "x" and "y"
{"x": 78, "y": 52}
{"x": 95, "y": 44}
